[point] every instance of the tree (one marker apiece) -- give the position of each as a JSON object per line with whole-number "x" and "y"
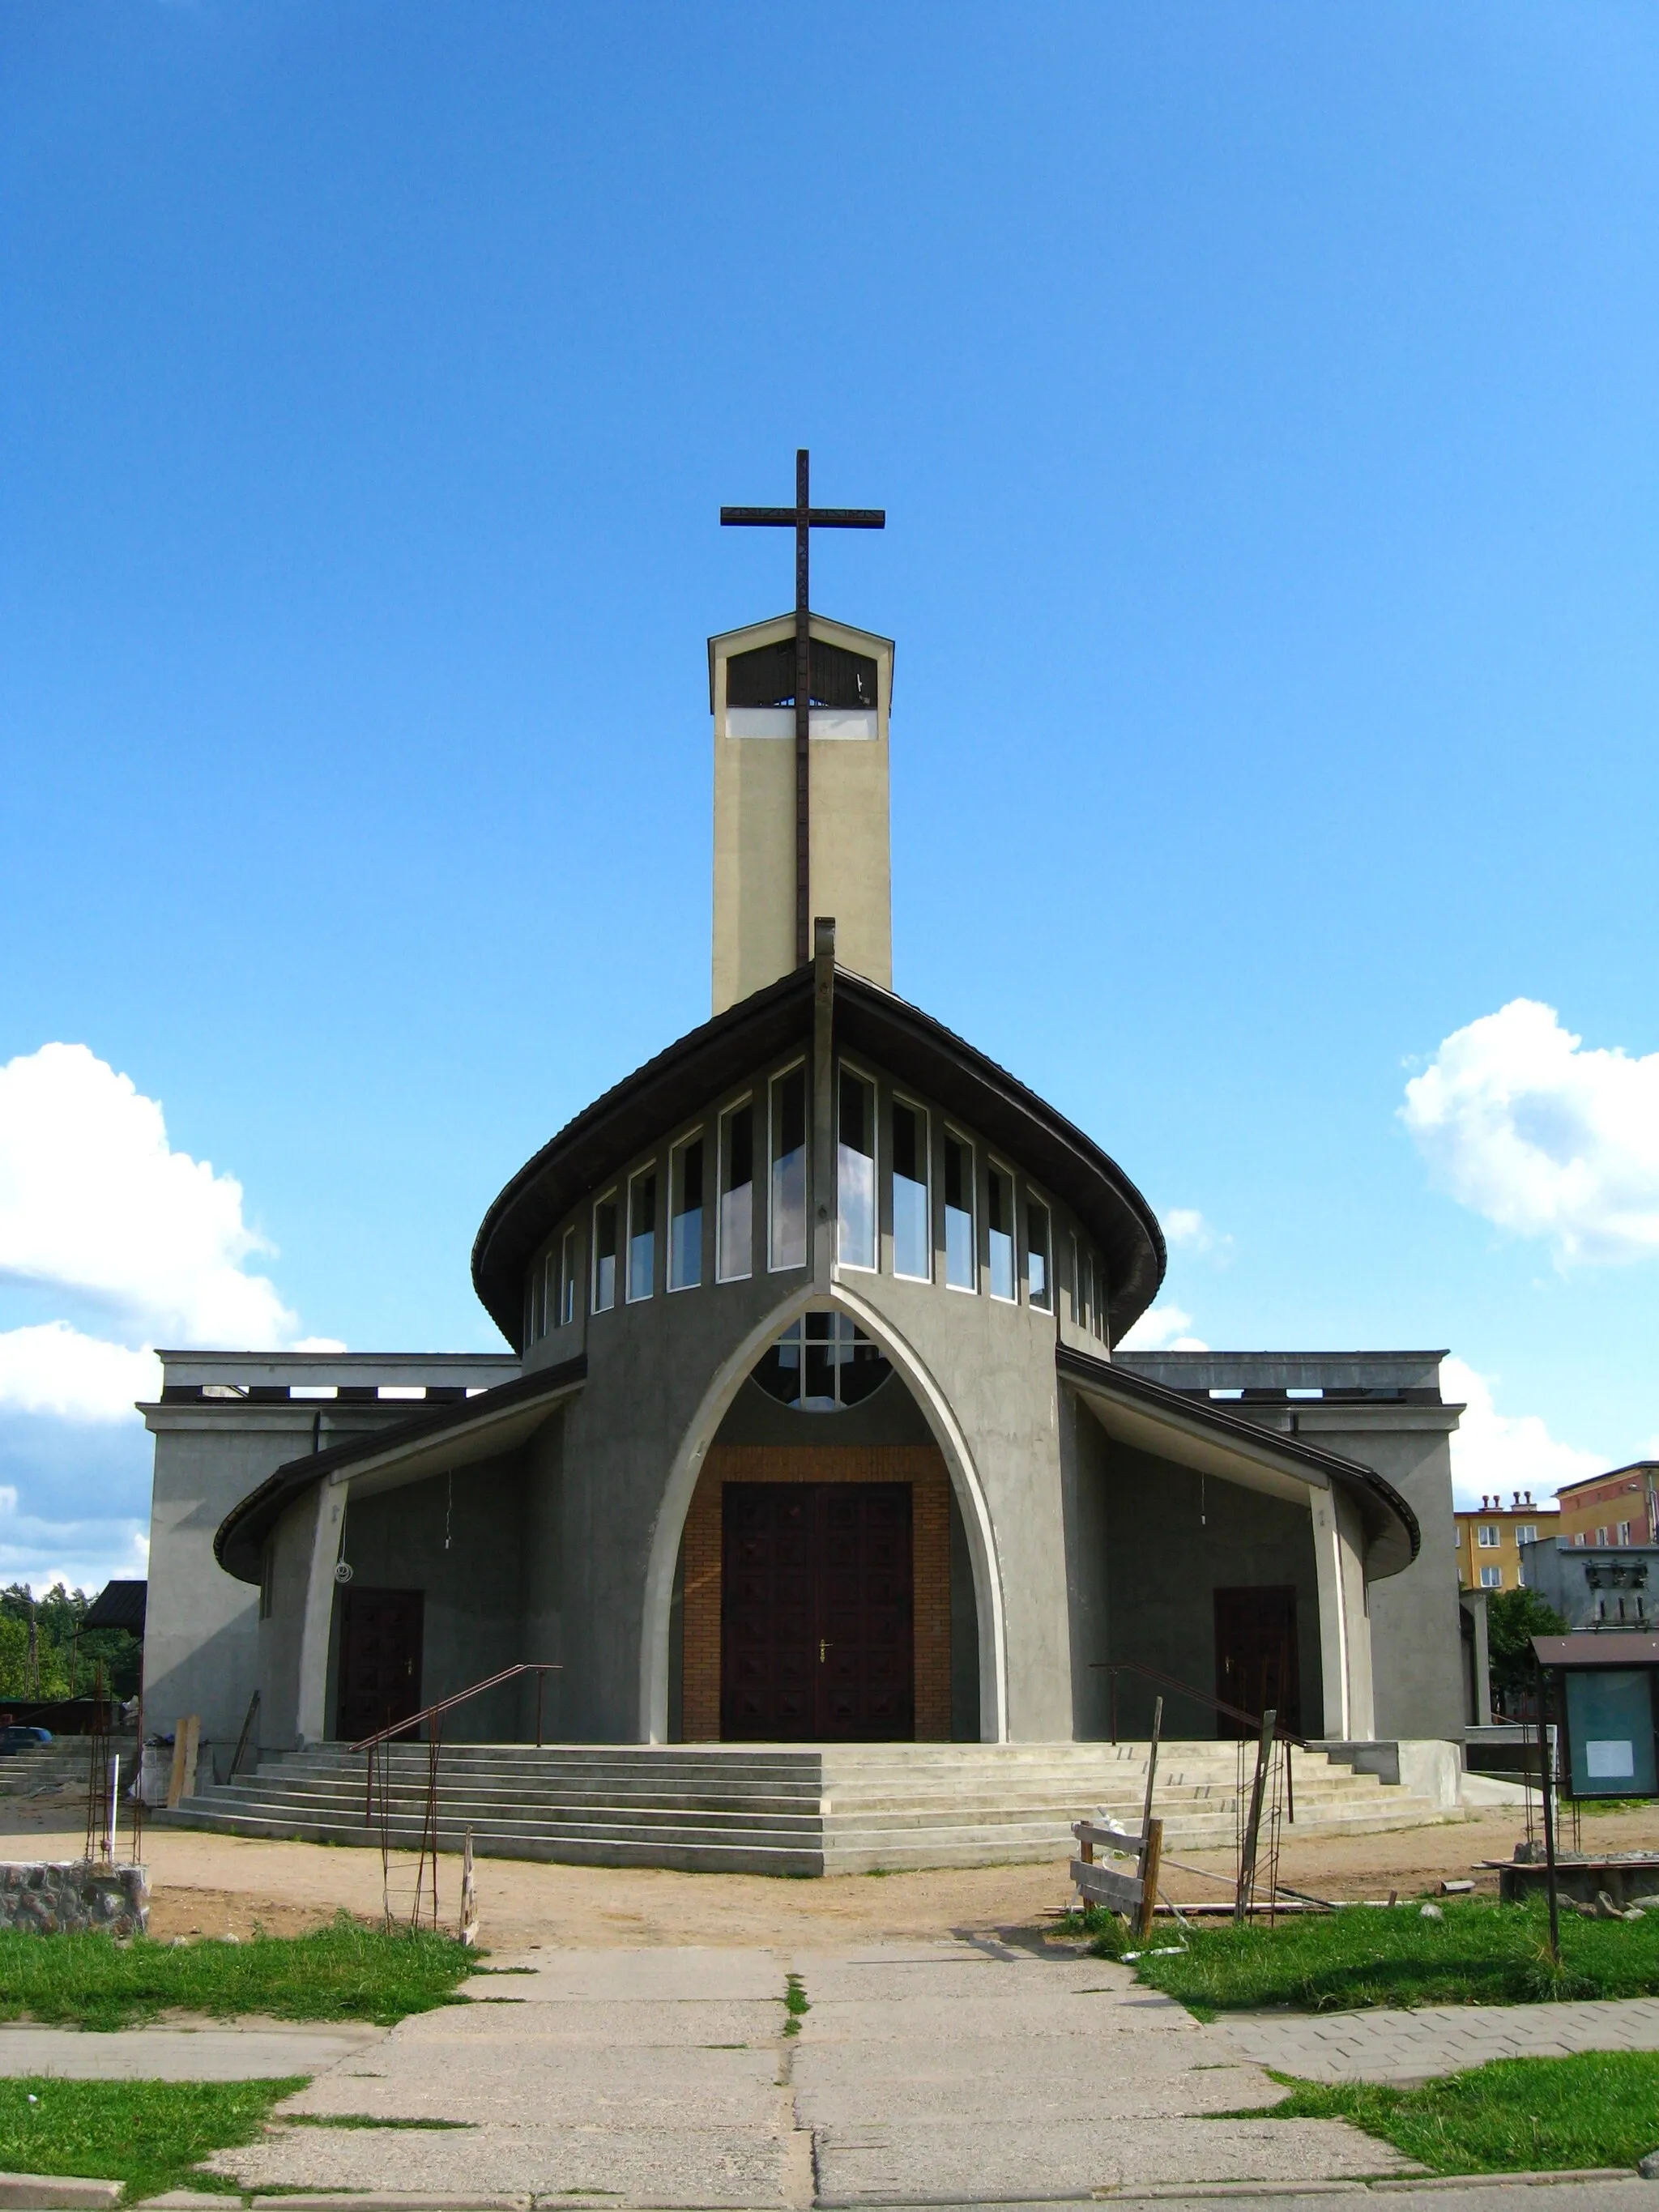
{"x": 62, "y": 1660}
{"x": 1514, "y": 1617}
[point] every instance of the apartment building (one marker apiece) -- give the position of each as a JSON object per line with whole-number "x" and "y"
{"x": 1618, "y": 1508}
{"x": 1488, "y": 1541}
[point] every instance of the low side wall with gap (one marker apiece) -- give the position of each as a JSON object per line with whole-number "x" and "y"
{"x": 52, "y": 1897}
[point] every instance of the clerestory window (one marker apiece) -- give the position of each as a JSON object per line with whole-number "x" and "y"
{"x": 999, "y": 1232}
{"x": 642, "y": 1236}
{"x": 1039, "y": 1262}
{"x": 856, "y": 1169}
{"x": 737, "y": 1226}
{"x": 567, "y": 1278}
{"x": 788, "y": 1244}
{"x": 913, "y": 1231}
{"x": 685, "y": 1215}
{"x": 604, "y": 1253}
{"x": 960, "y": 1271}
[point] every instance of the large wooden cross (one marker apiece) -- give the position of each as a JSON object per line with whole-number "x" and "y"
{"x": 803, "y": 518}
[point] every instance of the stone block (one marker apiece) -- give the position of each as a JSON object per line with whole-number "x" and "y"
{"x": 50, "y": 1897}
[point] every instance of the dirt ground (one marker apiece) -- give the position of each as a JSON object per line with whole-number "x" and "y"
{"x": 212, "y": 1884}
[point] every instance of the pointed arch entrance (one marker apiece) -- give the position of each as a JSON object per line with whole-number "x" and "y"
{"x": 947, "y": 1452}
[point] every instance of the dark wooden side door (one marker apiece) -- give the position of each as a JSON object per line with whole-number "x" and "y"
{"x": 380, "y": 1659}
{"x": 817, "y": 1636}
{"x": 1256, "y": 1656}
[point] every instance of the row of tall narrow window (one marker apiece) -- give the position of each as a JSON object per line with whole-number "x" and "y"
{"x": 624, "y": 1243}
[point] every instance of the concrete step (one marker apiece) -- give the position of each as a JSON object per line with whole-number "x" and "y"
{"x": 782, "y": 1807}
{"x": 787, "y": 1809}
{"x": 64, "y": 1761}
{"x": 807, "y": 1854}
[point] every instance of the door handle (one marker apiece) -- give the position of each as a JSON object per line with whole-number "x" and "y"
{"x": 823, "y": 1647}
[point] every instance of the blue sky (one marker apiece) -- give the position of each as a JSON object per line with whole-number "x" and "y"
{"x": 1264, "y": 401}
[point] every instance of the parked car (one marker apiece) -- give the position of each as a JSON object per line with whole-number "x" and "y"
{"x": 13, "y": 1738}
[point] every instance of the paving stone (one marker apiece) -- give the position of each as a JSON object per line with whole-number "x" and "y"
{"x": 49, "y": 2189}
{"x": 173, "y": 2054}
{"x": 1393, "y": 2045}
{"x": 648, "y": 1977}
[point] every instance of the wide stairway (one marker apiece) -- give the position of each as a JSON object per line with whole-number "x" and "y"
{"x": 783, "y": 1809}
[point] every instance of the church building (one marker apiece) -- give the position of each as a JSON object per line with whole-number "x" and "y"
{"x": 816, "y": 1426}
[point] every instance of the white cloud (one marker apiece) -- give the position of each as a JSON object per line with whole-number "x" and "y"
{"x": 1163, "y": 1328}
{"x": 51, "y": 1368}
{"x": 93, "y": 1198}
{"x": 95, "y": 1202}
{"x": 1185, "y": 1230}
{"x": 1502, "y": 1453}
{"x": 1523, "y": 1125}
{"x": 81, "y": 1554}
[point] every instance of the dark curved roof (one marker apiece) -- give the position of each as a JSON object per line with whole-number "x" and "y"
{"x": 240, "y": 1537}
{"x": 1391, "y": 1527}
{"x": 671, "y": 1088}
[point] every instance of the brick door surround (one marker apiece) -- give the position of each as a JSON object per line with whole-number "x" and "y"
{"x": 922, "y": 1466}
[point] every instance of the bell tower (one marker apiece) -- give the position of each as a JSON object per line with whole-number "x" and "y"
{"x": 801, "y": 826}
{"x": 752, "y": 694}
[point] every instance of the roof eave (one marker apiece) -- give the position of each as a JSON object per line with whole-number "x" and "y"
{"x": 238, "y": 1539}
{"x": 1386, "y": 1512}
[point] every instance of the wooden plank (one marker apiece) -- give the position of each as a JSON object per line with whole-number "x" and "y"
{"x": 1149, "y": 1865}
{"x": 1253, "y": 1825}
{"x": 1106, "y": 1836}
{"x": 186, "y": 1735}
{"x": 1101, "y": 1886}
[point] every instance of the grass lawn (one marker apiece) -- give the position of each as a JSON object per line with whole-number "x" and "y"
{"x": 1516, "y": 2115}
{"x": 148, "y": 2134}
{"x": 345, "y": 1972}
{"x": 1480, "y": 1953}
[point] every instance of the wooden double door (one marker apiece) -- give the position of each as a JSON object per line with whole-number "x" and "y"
{"x": 817, "y": 1628}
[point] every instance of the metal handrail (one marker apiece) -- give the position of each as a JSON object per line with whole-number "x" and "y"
{"x": 538, "y": 1668}
{"x": 541, "y": 1668}
{"x": 1114, "y": 1668}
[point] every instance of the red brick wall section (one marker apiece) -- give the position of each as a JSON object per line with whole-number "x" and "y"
{"x": 920, "y": 1465}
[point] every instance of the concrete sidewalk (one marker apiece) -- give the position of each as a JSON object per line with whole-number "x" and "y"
{"x": 965, "y": 2073}
{"x": 930, "y": 2072}
{"x": 262, "y": 2051}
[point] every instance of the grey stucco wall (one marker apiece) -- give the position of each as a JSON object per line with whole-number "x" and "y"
{"x": 1416, "y": 1660}
{"x": 542, "y": 1568}
{"x": 964, "y": 1636}
{"x": 202, "y": 1628}
{"x": 1172, "y": 1538}
{"x": 461, "y": 1547}
{"x": 203, "y": 1635}
{"x": 281, "y": 1632}
{"x": 1624, "y": 1593}
{"x": 1084, "y": 1448}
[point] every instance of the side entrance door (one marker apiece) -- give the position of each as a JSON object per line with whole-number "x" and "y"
{"x": 1256, "y": 1653}
{"x": 380, "y": 1659}
{"x": 817, "y": 1642}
